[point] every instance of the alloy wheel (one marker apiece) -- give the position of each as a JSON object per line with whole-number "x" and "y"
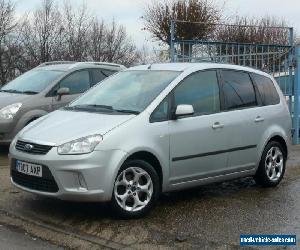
{"x": 133, "y": 189}
{"x": 274, "y": 163}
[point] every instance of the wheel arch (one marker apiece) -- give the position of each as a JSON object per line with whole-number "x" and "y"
{"x": 282, "y": 142}
{"x": 28, "y": 117}
{"x": 151, "y": 159}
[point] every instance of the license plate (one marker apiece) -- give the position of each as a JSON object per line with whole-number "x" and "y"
{"x": 29, "y": 168}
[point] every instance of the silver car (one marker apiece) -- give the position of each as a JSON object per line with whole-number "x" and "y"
{"x": 153, "y": 129}
{"x": 45, "y": 88}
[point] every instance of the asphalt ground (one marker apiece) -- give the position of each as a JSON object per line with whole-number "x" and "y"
{"x": 12, "y": 238}
{"x": 208, "y": 217}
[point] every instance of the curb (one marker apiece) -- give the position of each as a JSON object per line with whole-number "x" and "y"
{"x": 25, "y": 224}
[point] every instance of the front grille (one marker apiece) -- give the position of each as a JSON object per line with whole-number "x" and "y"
{"x": 44, "y": 184}
{"x": 32, "y": 148}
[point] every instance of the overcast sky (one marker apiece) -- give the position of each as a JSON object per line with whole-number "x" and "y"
{"x": 129, "y": 12}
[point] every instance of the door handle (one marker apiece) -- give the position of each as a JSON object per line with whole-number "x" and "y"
{"x": 217, "y": 125}
{"x": 259, "y": 119}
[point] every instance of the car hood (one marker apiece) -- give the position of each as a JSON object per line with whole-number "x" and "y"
{"x": 62, "y": 126}
{"x": 10, "y": 98}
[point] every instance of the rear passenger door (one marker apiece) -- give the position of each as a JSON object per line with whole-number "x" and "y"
{"x": 270, "y": 110}
{"x": 245, "y": 119}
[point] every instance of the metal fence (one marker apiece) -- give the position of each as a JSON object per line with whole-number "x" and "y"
{"x": 278, "y": 58}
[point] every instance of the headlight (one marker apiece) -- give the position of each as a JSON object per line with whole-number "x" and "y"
{"x": 9, "y": 111}
{"x": 80, "y": 146}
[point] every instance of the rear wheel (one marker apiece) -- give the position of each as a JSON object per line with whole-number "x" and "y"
{"x": 272, "y": 165}
{"x": 136, "y": 189}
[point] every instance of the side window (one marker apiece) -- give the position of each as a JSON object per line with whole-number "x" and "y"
{"x": 108, "y": 72}
{"x": 97, "y": 76}
{"x": 161, "y": 112}
{"x": 77, "y": 82}
{"x": 266, "y": 90}
{"x": 238, "y": 89}
{"x": 201, "y": 90}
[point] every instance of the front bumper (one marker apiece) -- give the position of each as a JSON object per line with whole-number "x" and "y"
{"x": 6, "y": 132}
{"x": 87, "y": 177}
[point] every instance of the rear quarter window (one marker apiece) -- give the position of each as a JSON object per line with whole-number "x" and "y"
{"x": 267, "y": 90}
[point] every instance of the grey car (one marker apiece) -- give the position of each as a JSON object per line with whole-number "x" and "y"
{"x": 46, "y": 88}
{"x": 156, "y": 128}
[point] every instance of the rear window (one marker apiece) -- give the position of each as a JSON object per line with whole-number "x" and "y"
{"x": 266, "y": 90}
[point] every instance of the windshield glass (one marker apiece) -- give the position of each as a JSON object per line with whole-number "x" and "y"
{"x": 32, "y": 82}
{"x": 128, "y": 91}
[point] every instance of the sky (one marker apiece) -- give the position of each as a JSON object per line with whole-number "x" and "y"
{"x": 129, "y": 12}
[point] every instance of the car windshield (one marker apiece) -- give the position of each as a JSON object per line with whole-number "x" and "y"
{"x": 31, "y": 82}
{"x": 127, "y": 92}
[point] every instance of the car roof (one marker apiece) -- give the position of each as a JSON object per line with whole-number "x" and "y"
{"x": 195, "y": 66}
{"x": 70, "y": 65}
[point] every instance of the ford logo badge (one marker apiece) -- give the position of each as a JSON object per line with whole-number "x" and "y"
{"x": 28, "y": 147}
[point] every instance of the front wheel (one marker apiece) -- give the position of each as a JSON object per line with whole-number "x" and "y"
{"x": 136, "y": 189}
{"x": 272, "y": 165}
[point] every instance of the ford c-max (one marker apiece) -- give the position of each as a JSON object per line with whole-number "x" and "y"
{"x": 156, "y": 128}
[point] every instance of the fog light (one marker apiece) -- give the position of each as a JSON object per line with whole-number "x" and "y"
{"x": 81, "y": 182}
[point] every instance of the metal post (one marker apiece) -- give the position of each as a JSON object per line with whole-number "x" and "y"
{"x": 296, "y": 97}
{"x": 291, "y": 77}
{"x": 291, "y": 36}
{"x": 172, "y": 38}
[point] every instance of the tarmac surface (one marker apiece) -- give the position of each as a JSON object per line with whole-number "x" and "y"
{"x": 208, "y": 217}
{"x": 15, "y": 239}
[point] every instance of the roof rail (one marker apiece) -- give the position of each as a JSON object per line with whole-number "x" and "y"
{"x": 99, "y": 63}
{"x": 55, "y": 62}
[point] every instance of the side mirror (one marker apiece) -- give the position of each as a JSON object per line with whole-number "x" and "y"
{"x": 62, "y": 91}
{"x": 182, "y": 110}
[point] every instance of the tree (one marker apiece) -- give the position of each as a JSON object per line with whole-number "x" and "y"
{"x": 119, "y": 48}
{"x": 197, "y": 19}
{"x": 40, "y": 39}
{"x": 256, "y": 38}
{"x": 71, "y": 34}
{"x": 8, "y": 45}
{"x": 97, "y": 38}
{"x": 267, "y": 30}
{"x": 77, "y": 26}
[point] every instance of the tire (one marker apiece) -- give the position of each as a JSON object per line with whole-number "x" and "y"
{"x": 272, "y": 165}
{"x": 136, "y": 182}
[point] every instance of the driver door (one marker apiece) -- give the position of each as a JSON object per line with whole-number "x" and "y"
{"x": 198, "y": 142}
{"x": 77, "y": 82}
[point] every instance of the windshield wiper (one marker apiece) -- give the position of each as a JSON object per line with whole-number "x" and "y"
{"x": 128, "y": 111}
{"x": 10, "y": 91}
{"x": 29, "y": 92}
{"x": 100, "y": 107}
{"x": 90, "y": 107}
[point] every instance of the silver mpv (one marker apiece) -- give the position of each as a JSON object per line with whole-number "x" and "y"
{"x": 156, "y": 128}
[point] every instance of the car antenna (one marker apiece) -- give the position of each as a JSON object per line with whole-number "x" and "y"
{"x": 149, "y": 67}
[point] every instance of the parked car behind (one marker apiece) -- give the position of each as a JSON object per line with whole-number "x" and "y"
{"x": 46, "y": 88}
{"x": 156, "y": 128}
